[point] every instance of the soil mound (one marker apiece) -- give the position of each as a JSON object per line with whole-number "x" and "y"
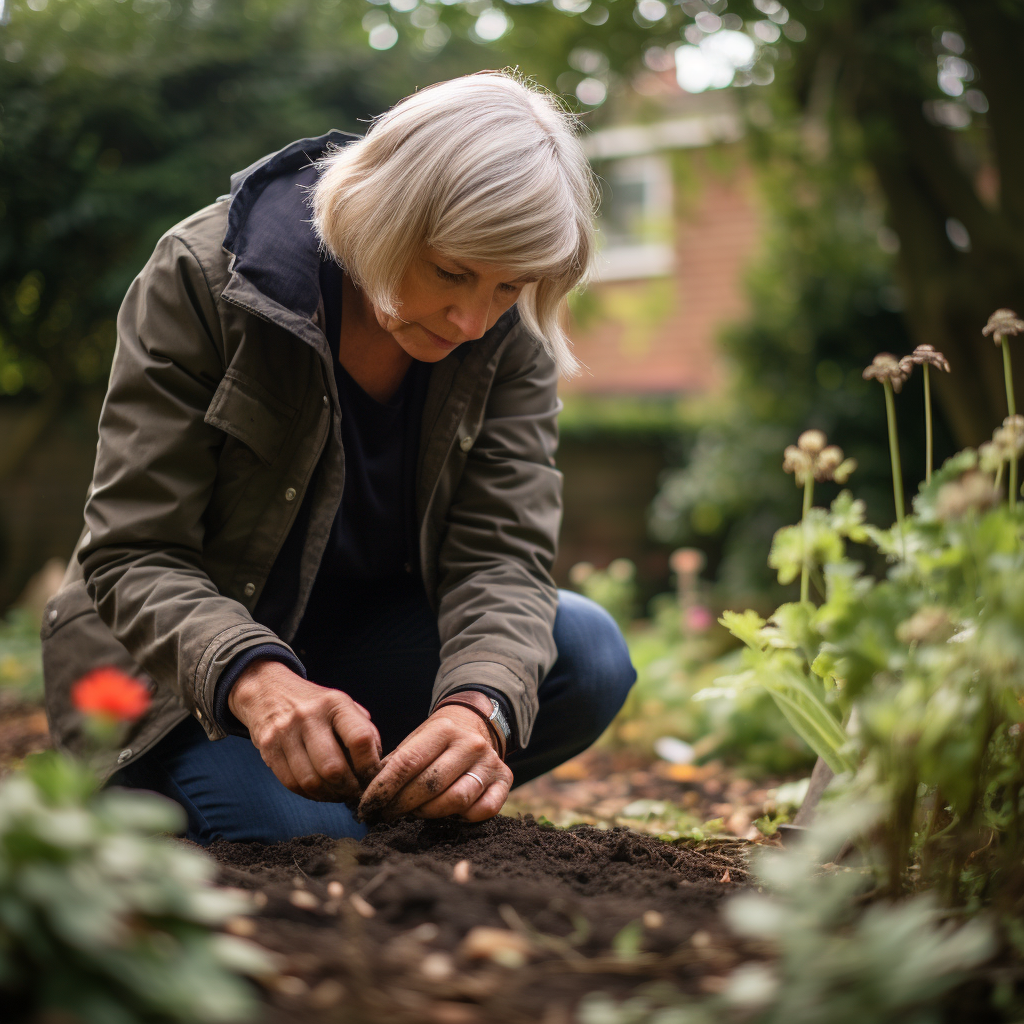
{"x": 501, "y": 921}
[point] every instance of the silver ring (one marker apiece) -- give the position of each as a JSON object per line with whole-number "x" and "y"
{"x": 477, "y": 777}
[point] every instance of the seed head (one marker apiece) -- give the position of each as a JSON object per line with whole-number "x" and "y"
{"x": 924, "y": 354}
{"x": 811, "y": 441}
{"x": 886, "y": 367}
{"x": 973, "y": 492}
{"x": 1003, "y": 323}
{"x": 1009, "y": 438}
{"x": 811, "y": 457}
{"x": 928, "y": 625}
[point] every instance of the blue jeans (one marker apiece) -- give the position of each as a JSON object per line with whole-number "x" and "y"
{"x": 229, "y": 793}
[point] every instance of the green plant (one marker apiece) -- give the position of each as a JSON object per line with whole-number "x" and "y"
{"x": 102, "y": 921}
{"x": 912, "y": 685}
{"x": 21, "y": 663}
{"x": 613, "y": 588}
{"x": 821, "y": 953}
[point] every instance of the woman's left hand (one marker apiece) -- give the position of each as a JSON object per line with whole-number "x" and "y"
{"x": 427, "y": 773}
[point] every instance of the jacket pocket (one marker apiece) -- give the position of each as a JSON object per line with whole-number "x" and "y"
{"x": 246, "y": 410}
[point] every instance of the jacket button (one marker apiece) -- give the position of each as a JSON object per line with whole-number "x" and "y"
{"x": 250, "y": 589}
{"x": 466, "y": 443}
{"x": 124, "y": 755}
{"x": 53, "y": 615}
{"x": 289, "y": 495}
{"x": 326, "y": 401}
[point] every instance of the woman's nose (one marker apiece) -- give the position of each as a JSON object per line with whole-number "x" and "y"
{"x": 471, "y": 316}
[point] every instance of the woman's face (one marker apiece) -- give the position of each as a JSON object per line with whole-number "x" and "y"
{"x": 443, "y": 302}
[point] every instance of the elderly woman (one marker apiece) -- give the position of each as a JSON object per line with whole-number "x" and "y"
{"x": 325, "y": 504}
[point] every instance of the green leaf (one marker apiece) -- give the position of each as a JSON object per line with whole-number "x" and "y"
{"x": 745, "y": 626}
{"x": 627, "y": 942}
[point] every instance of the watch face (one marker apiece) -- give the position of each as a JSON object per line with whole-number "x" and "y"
{"x": 497, "y": 716}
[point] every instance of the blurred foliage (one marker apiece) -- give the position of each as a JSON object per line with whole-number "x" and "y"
{"x": 21, "y": 662}
{"x": 99, "y": 921}
{"x": 890, "y": 151}
{"x": 822, "y": 955}
{"x": 673, "y": 664}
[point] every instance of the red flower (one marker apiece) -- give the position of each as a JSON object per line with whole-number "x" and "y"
{"x": 109, "y": 693}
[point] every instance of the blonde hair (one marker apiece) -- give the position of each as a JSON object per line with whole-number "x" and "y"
{"x": 485, "y": 168}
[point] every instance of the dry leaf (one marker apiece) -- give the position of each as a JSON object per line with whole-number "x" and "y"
{"x": 726, "y": 877}
{"x": 361, "y": 907}
{"x": 496, "y": 944}
{"x": 241, "y": 926}
{"x": 437, "y": 966}
{"x": 461, "y": 872}
{"x": 327, "y": 994}
{"x": 303, "y": 900}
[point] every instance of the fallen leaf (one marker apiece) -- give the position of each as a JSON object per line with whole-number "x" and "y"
{"x": 499, "y": 945}
{"x": 461, "y": 872}
{"x": 327, "y": 994}
{"x": 241, "y": 926}
{"x": 361, "y": 907}
{"x": 681, "y": 772}
{"x": 726, "y": 877}
{"x": 575, "y": 771}
{"x": 303, "y": 900}
{"x": 437, "y": 966}
{"x": 652, "y": 919}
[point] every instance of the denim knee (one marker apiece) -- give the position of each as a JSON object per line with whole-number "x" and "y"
{"x": 593, "y": 658}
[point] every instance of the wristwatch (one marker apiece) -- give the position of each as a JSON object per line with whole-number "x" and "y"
{"x": 497, "y": 716}
{"x": 489, "y": 710}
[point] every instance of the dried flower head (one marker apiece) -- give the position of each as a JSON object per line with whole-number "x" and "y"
{"x": 1009, "y": 438}
{"x": 924, "y": 354}
{"x": 928, "y": 625}
{"x": 1003, "y": 323}
{"x": 687, "y": 561}
{"x": 886, "y": 367}
{"x": 109, "y": 693}
{"x": 811, "y": 457}
{"x": 811, "y": 441}
{"x": 990, "y": 457}
{"x": 973, "y": 492}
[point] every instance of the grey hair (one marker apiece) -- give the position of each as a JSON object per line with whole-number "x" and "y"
{"x": 487, "y": 168}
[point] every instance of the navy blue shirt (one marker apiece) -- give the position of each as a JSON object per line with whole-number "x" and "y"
{"x": 373, "y": 549}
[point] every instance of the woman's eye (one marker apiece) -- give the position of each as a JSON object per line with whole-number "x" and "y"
{"x": 447, "y": 275}
{"x": 510, "y": 288}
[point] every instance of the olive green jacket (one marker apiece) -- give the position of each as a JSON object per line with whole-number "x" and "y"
{"x": 221, "y": 412}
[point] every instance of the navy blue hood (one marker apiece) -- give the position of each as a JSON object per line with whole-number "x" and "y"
{"x": 270, "y": 232}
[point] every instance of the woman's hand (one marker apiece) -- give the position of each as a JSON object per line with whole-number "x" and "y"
{"x": 426, "y": 774}
{"x": 319, "y": 742}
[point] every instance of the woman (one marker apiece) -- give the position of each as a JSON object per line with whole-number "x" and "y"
{"x": 325, "y": 507}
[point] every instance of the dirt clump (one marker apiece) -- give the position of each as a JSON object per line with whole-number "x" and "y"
{"x": 502, "y": 921}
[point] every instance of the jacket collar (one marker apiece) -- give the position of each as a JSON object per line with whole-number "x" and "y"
{"x": 275, "y": 265}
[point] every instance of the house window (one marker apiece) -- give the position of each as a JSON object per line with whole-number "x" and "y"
{"x": 635, "y": 223}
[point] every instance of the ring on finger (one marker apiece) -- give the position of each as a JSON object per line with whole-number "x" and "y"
{"x": 473, "y": 775}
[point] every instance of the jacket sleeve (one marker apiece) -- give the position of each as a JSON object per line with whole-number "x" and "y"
{"x": 497, "y": 601}
{"x": 156, "y": 461}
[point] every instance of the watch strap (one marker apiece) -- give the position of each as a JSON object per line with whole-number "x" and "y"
{"x": 484, "y": 707}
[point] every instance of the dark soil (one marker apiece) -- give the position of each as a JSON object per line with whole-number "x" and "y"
{"x": 573, "y": 911}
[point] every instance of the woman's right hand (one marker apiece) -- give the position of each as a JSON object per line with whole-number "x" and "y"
{"x": 319, "y": 742}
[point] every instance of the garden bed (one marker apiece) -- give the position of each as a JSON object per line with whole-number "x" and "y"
{"x": 505, "y": 921}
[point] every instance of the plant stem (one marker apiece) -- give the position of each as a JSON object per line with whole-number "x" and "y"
{"x": 894, "y": 453}
{"x": 1011, "y": 406}
{"x": 927, "y": 425}
{"x": 804, "y": 567}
